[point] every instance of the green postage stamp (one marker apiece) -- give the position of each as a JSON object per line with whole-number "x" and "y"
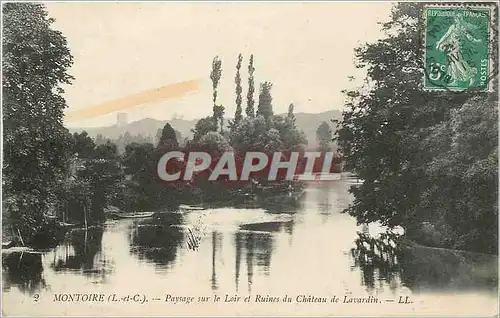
{"x": 457, "y": 47}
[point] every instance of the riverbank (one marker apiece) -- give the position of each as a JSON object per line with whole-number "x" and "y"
{"x": 51, "y": 236}
{"x": 247, "y": 250}
{"x": 447, "y": 267}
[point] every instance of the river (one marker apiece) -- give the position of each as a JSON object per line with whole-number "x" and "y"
{"x": 275, "y": 249}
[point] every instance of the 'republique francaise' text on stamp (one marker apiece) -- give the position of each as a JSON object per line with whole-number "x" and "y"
{"x": 457, "y": 47}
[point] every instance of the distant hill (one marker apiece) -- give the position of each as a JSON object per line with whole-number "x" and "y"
{"x": 145, "y": 127}
{"x": 306, "y": 122}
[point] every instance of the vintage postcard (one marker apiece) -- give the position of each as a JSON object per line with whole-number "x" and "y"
{"x": 249, "y": 158}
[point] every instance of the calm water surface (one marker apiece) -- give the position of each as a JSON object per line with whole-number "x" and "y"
{"x": 307, "y": 247}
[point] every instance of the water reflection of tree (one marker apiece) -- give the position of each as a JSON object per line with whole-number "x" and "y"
{"x": 323, "y": 200}
{"x": 418, "y": 267}
{"x": 377, "y": 258}
{"x": 216, "y": 244}
{"x": 283, "y": 203}
{"x": 158, "y": 239}
{"x": 259, "y": 248}
{"x": 440, "y": 269}
{"x": 291, "y": 209}
{"x": 238, "y": 239}
{"x": 23, "y": 270}
{"x": 82, "y": 251}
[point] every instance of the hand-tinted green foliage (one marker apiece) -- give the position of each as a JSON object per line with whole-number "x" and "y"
{"x": 35, "y": 143}
{"x": 397, "y": 138}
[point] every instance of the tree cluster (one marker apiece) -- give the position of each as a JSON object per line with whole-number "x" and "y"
{"x": 260, "y": 129}
{"x": 50, "y": 177}
{"x": 428, "y": 159}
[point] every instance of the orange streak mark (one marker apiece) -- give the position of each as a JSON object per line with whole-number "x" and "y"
{"x": 153, "y": 95}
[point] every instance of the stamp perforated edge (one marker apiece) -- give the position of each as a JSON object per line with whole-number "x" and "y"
{"x": 492, "y": 7}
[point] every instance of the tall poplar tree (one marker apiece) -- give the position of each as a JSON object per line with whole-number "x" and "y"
{"x": 215, "y": 75}
{"x": 238, "y": 114}
{"x": 290, "y": 115}
{"x": 265, "y": 107}
{"x": 250, "y": 111}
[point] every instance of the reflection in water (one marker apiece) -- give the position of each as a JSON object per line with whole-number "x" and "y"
{"x": 238, "y": 242}
{"x": 294, "y": 208}
{"x": 157, "y": 239}
{"x": 194, "y": 234}
{"x": 272, "y": 226}
{"x": 329, "y": 197}
{"x": 284, "y": 203}
{"x": 23, "y": 270}
{"x": 250, "y": 254}
{"x": 81, "y": 251}
{"x": 426, "y": 268}
{"x": 259, "y": 248}
{"x": 216, "y": 243}
{"x": 377, "y": 259}
{"x": 323, "y": 201}
{"x": 305, "y": 247}
{"x": 263, "y": 251}
{"x": 421, "y": 268}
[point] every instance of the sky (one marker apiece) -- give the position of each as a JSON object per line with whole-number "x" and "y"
{"x": 304, "y": 49}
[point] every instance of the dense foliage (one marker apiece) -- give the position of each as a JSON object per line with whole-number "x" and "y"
{"x": 428, "y": 159}
{"x": 324, "y": 136}
{"x": 53, "y": 180}
{"x": 35, "y": 142}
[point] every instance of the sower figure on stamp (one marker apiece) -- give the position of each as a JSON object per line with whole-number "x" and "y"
{"x": 453, "y": 42}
